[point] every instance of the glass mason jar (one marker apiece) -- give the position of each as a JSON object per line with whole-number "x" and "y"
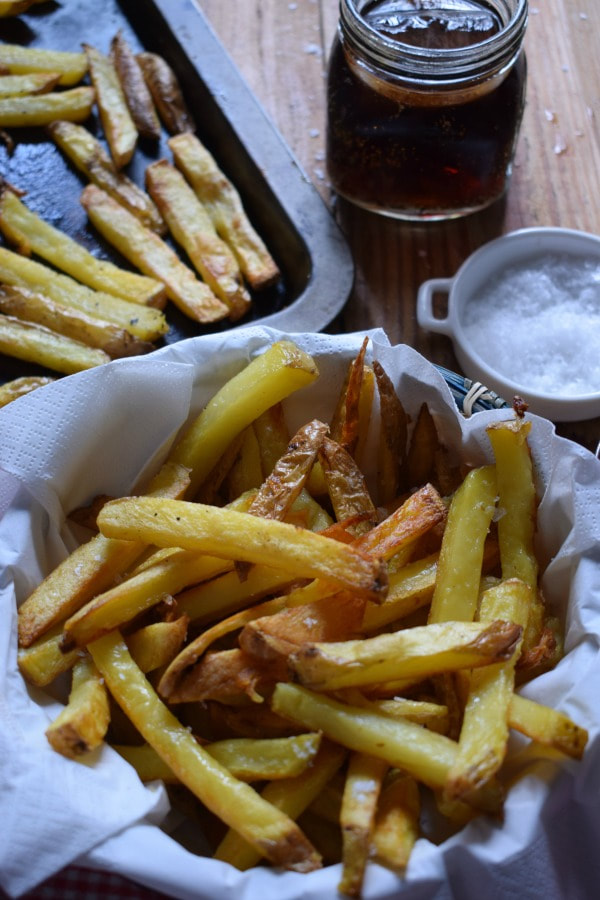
{"x": 424, "y": 103}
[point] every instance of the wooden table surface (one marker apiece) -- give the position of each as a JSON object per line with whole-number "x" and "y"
{"x": 281, "y": 49}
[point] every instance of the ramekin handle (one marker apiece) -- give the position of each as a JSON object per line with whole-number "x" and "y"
{"x": 425, "y": 316}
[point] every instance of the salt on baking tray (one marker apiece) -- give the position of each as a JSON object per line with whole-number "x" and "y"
{"x": 538, "y": 324}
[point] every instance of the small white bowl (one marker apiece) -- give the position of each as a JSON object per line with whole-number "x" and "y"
{"x": 526, "y": 246}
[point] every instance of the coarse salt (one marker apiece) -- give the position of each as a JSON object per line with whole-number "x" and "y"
{"x": 538, "y": 324}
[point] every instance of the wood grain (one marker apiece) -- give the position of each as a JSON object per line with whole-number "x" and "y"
{"x": 281, "y": 49}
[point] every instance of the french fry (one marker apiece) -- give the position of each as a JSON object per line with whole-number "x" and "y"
{"x": 268, "y": 379}
{"x": 410, "y": 588}
{"x": 73, "y": 105}
{"x": 31, "y": 234}
{"x": 121, "y": 603}
{"x": 142, "y": 322}
{"x": 461, "y": 557}
{"x": 547, "y": 726}
{"x": 153, "y": 256}
{"x": 282, "y": 487}
{"x": 87, "y": 571}
{"x": 292, "y": 796}
{"x": 397, "y": 823}
{"x": 238, "y": 535}
{"x": 20, "y": 60}
{"x": 73, "y": 324}
{"x": 517, "y": 499}
{"x": 412, "y": 654}
{"x": 137, "y": 95}
{"x": 31, "y": 83}
{"x": 89, "y": 156}
{"x": 484, "y": 733}
{"x": 275, "y": 636}
{"x": 422, "y": 448}
{"x": 346, "y": 486}
{"x": 43, "y": 661}
{"x": 230, "y": 677}
{"x": 155, "y": 645}
{"x": 346, "y": 424}
{"x": 273, "y": 436}
{"x": 403, "y": 744}
{"x": 266, "y": 828}
{"x": 19, "y": 387}
{"x": 15, "y": 7}
{"x": 166, "y": 93}
{"x": 357, "y": 818}
{"x": 119, "y": 128}
{"x": 83, "y": 723}
{"x": 392, "y": 473}
{"x": 249, "y": 759}
{"x": 34, "y": 343}
{"x": 223, "y": 204}
{"x": 191, "y": 227}
{"x": 245, "y": 472}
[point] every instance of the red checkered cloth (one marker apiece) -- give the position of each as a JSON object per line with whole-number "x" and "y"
{"x": 75, "y": 882}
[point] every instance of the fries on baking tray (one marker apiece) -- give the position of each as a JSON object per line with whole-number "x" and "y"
{"x": 187, "y": 236}
{"x": 308, "y": 666}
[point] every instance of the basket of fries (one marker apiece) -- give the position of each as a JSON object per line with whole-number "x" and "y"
{"x": 279, "y": 620}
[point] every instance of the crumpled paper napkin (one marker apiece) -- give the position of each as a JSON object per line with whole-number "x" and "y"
{"x": 101, "y": 432}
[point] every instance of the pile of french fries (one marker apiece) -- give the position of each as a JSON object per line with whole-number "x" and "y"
{"x": 186, "y": 235}
{"x": 308, "y": 660}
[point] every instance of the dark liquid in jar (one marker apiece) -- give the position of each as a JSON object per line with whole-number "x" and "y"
{"x": 422, "y": 161}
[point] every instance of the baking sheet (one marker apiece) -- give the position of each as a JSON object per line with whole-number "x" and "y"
{"x": 286, "y": 209}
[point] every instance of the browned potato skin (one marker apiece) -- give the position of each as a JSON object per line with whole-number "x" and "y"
{"x": 137, "y": 94}
{"x": 164, "y": 87}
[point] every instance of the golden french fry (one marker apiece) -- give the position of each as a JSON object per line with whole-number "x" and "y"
{"x": 119, "y": 128}
{"x": 89, "y": 156}
{"x": 517, "y": 499}
{"x": 35, "y": 343}
{"x": 225, "y": 208}
{"x": 240, "y": 536}
{"x": 143, "y": 322}
{"x": 31, "y": 83}
{"x": 397, "y": 824}
{"x": 259, "y": 822}
{"x": 410, "y": 588}
{"x": 137, "y": 94}
{"x": 73, "y": 105}
{"x": 547, "y": 726}
{"x": 43, "y": 661}
{"x": 31, "y": 234}
{"x": 268, "y": 379}
{"x": 166, "y": 93}
{"x": 292, "y": 796}
{"x": 27, "y": 306}
{"x": 249, "y": 759}
{"x": 275, "y": 636}
{"x": 346, "y": 486}
{"x": 411, "y": 654}
{"x": 153, "y": 256}
{"x": 192, "y": 228}
{"x": 484, "y": 732}
{"x": 87, "y": 571}
{"x": 19, "y": 387}
{"x": 155, "y": 645}
{"x": 357, "y": 818}
{"x": 20, "y": 60}
{"x": 403, "y": 744}
{"x": 346, "y": 424}
{"x": 273, "y": 436}
{"x": 392, "y": 474}
{"x": 282, "y": 487}
{"x": 460, "y": 564}
{"x": 83, "y": 723}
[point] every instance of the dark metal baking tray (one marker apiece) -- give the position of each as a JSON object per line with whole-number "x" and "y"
{"x": 287, "y": 210}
